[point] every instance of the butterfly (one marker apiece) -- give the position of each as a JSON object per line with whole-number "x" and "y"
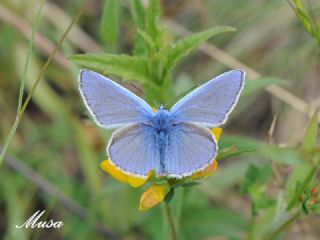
{"x": 174, "y": 143}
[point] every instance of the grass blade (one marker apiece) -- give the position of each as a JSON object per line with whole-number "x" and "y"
{"x": 40, "y": 76}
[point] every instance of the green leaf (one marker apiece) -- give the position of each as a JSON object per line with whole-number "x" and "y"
{"x": 138, "y": 13}
{"x": 139, "y": 17}
{"x": 242, "y": 143}
{"x": 152, "y": 20}
{"x": 282, "y": 155}
{"x": 255, "y": 177}
{"x": 255, "y": 184}
{"x": 253, "y": 86}
{"x": 124, "y": 66}
{"x": 109, "y": 24}
{"x": 311, "y": 134}
{"x": 232, "y": 151}
{"x": 232, "y": 145}
{"x": 184, "y": 46}
{"x": 146, "y": 38}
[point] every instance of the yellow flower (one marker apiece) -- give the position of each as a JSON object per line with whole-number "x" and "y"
{"x": 123, "y": 177}
{"x": 153, "y": 196}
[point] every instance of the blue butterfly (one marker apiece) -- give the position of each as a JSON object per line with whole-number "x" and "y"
{"x": 175, "y": 143}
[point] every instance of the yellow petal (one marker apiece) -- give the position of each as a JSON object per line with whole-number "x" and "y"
{"x": 113, "y": 171}
{"x": 208, "y": 171}
{"x": 136, "y": 181}
{"x": 153, "y": 196}
{"x": 216, "y": 132}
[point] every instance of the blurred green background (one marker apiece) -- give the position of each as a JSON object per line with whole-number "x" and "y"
{"x": 53, "y": 161}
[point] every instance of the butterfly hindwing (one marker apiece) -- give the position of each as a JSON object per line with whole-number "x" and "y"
{"x": 110, "y": 104}
{"x": 211, "y": 103}
{"x": 136, "y": 149}
{"x": 190, "y": 148}
{"x": 133, "y": 150}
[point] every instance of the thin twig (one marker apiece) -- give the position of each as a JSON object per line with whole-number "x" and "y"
{"x": 47, "y": 187}
{"x": 171, "y": 222}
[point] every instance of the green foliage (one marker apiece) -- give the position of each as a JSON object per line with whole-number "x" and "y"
{"x": 153, "y": 62}
{"x": 307, "y": 19}
{"x": 109, "y": 23}
{"x": 139, "y": 16}
{"x": 125, "y": 66}
{"x": 311, "y": 134}
{"x": 184, "y": 46}
{"x": 232, "y": 151}
{"x": 255, "y": 184}
{"x": 152, "y": 23}
{"x": 66, "y": 149}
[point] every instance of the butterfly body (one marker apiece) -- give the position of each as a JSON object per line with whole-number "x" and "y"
{"x": 174, "y": 143}
{"x": 163, "y": 125}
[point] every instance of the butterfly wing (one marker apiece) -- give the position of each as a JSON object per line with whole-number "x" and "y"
{"x": 136, "y": 149}
{"x": 190, "y": 148}
{"x": 110, "y": 104}
{"x": 133, "y": 150}
{"x": 211, "y": 103}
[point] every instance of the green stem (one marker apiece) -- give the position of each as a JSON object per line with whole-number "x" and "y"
{"x": 251, "y": 232}
{"x": 34, "y": 86}
{"x": 30, "y": 48}
{"x": 171, "y": 222}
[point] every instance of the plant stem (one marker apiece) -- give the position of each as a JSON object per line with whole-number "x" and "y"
{"x": 34, "y": 86}
{"x": 171, "y": 222}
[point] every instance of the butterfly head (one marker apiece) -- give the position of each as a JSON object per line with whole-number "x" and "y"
{"x": 161, "y": 119}
{"x": 162, "y": 108}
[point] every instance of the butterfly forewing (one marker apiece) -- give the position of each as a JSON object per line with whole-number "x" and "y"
{"x": 110, "y": 104}
{"x": 211, "y": 103}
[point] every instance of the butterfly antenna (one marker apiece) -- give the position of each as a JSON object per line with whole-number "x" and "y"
{"x": 136, "y": 88}
{"x": 153, "y": 103}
